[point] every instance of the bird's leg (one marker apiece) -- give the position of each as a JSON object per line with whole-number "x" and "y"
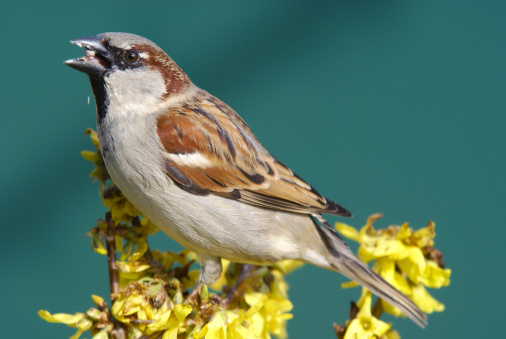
{"x": 193, "y": 295}
{"x": 210, "y": 268}
{"x": 210, "y": 272}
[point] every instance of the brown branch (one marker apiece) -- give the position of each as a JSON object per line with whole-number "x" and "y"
{"x": 111, "y": 256}
{"x": 119, "y": 331}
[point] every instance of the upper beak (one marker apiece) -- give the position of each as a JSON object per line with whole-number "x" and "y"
{"x": 97, "y": 58}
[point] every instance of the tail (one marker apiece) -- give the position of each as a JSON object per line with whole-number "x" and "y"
{"x": 346, "y": 263}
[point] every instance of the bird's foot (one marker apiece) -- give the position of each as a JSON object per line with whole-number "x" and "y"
{"x": 192, "y": 297}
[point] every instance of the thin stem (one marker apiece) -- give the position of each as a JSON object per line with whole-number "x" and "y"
{"x": 111, "y": 256}
{"x": 119, "y": 331}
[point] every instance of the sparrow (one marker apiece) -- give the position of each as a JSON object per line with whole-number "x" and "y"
{"x": 191, "y": 165}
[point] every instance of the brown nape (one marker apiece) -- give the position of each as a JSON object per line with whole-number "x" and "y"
{"x": 176, "y": 81}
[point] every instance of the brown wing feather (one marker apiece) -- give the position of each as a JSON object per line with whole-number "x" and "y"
{"x": 211, "y": 150}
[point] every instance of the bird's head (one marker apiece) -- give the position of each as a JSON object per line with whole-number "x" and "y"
{"x": 128, "y": 71}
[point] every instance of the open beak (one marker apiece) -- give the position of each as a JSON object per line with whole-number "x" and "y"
{"x": 97, "y": 59}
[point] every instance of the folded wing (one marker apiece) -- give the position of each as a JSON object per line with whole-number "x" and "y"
{"x": 211, "y": 150}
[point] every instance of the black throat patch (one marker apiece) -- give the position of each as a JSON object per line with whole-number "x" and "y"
{"x": 99, "y": 92}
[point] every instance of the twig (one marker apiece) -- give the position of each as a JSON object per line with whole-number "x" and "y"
{"x": 111, "y": 256}
{"x": 119, "y": 331}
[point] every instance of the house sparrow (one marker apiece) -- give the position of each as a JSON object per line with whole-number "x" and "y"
{"x": 190, "y": 164}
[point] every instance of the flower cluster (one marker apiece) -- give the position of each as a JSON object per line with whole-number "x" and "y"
{"x": 406, "y": 259}
{"x": 150, "y": 289}
{"x": 364, "y": 324}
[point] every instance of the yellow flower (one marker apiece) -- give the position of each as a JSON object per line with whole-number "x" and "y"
{"x": 272, "y": 309}
{"x": 216, "y": 328}
{"x": 78, "y": 320}
{"x": 135, "y": 303}
{"x": 170, "y": 321}
{"x": 401, "y": 257}
{"x": 130, "y": 271}
{"x": 364, "y": 325}
{"x": 152, "y": 299}
{"x": 149, "y": 227}
{"x": 239, "y": 324}
{"x": 121, "y": 209}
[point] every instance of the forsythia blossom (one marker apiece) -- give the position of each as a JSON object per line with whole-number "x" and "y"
{"x": 152, "y": 297}
{"x": 365, "y": 325}
{"x": 150, "y": 289}
{"x": 405, "y": 258}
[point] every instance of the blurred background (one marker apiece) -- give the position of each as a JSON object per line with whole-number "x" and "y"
{"x": 383, "y": 106}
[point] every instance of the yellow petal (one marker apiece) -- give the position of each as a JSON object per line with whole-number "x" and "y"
{"x": 101, "y": 335}
{"x": 392, "y": 335}
{"x": 279, "y": 286}
{"x": 386, "y": 269}
{"x": 98, "y": 245}
{"x": 119, "y": 243}
{"x": 256, "y": 324}
{"x": 287, "y": 266}
{"x": 214, "y": 329}
{"x": 223, "y": 278}
{"x": 97, "y": 300}
{"x": 77, "y": 334}
{"x": 182, "y": 311}
{"x": 404, "y": 232}
{"x": 237, "y": 330}
{"x": 364, "y": 303}
{"x": 425, "y": 301}
{"x": 347, "y": 231}
{"x": 63, "y": 318}
{"x": 93, "y": 136}
{"x": 424, "y": 236}
{"x": 130, "y": 267}
{"x": 389, "y": 246}
{"x": 276, "y": 305}
{"x": 170, "y": 333}
{"x": 349, "y": 284}
{"x": 365, "y": 253}
{"x": 142, "y": 247}
{"x": 118, "y": 307}
{"x": 365, "y": 325}
{"x": 414, "y": 264}
{"x": 391, "y": 309}
{"x": 435, "y": 276}
{"x": 253, "y": 298}
{"x": 366, "y": 328}
{"x": 90, "y": 156}
{"x": 162, "y": 323}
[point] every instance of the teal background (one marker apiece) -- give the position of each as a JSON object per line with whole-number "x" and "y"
{"x": 384, "y": 106}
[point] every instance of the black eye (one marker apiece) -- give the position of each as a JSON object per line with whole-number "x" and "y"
{"x": 131, "y": 56}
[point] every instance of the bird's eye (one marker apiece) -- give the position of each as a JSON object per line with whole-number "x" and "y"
{"x": 131, "y": 56}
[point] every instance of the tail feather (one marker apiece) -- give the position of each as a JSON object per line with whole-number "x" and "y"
{"x": 365, "y": 276}
{"x": 345, "y": 262}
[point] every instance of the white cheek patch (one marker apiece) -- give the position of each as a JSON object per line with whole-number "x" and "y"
{"x": 190, "y": 159}
{"x": 134, "y": 91}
